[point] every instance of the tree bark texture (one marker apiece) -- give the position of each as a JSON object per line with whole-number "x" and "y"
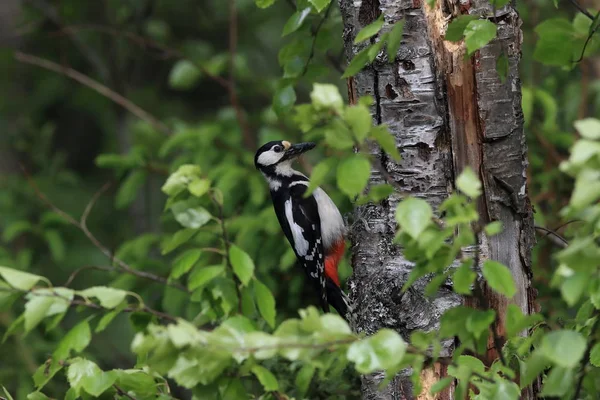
{"x": 446, "y": 111}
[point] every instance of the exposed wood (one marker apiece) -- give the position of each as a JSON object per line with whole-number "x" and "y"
{"x": 446, "y": 111}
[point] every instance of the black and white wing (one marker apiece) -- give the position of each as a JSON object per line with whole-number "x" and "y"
{"x": 299, "y": 218}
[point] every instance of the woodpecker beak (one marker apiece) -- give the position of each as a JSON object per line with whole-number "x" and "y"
{"x": 295, "y": 150}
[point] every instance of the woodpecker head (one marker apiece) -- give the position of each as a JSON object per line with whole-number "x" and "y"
{"x": 275, "y": 158}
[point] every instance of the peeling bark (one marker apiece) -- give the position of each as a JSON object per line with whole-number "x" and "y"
{"x": 446, "y": 112}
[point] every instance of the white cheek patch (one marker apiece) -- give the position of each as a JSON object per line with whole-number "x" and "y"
{"x": 300, "y": 243}
{"x": 269, "y": 158}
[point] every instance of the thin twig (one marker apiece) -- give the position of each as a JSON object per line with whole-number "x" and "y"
{"x": 227, "y": 253}
{"x": 82, "y": 225}
{"x": 554, "y": 237}
{"x": 121, "y": 392}
{"x": 582, "y": 9}
{"x": 95, "y": 85}
{"x": 88, "y": 304}
{"x": 170, "y": 53}
{"x": 85, "y": 268}
{"x": 89, "y": 53}
{"x": 144, "y": 42}
{"x": 233, "y": 96}
{"x": 315, "y": 33}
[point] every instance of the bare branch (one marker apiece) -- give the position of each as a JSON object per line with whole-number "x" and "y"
{"x": 121, "y": 392}
{"x": 85, "y": 268}
{"x": 82, "y": 225}
{"x": 88, "y": 52}
{"x": 554, "y": 237}
{"x": 95, "y": 85}
{"x": 144, "y": 42}
{"x": 582, "y": 9}
{"x": 315, "y": 33}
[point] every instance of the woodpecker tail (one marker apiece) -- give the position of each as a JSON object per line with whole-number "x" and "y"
{"x": 340, "y": 301}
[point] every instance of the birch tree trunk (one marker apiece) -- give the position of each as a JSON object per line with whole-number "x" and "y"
{"x": 446, "y": 112}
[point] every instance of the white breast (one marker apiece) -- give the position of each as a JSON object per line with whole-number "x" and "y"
{"x": 332, "y": 224}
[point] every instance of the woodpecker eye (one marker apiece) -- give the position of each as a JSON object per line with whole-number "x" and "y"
{"x": 277, "y": 149}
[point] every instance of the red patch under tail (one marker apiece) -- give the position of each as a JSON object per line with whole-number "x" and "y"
{"x": 332, "y": 259}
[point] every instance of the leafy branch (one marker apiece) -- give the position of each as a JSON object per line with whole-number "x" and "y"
{"x": 82, "y": 225}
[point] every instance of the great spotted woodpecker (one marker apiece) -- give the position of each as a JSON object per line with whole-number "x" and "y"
{"x": 313, "y": 225}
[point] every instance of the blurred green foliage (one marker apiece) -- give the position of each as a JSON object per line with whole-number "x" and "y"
{"x": 62, "y": 141}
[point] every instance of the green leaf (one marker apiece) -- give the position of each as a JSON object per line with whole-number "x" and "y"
{"x": 468, "y": 183}
{"x": 360, "y": 121}
{"x": 441, "y": 384}
{"x": 295, "y": 21}
{"x": 190, "y": 216}
{"x": 493, "y": 228}
{"x": 201, "y": 276}
{"x": 386, "y": 141}
{"x": 463, "y": 278}
{"x": 338, "y": 136}
{"x": 8, "y": 396}
{"x": 384, "y": 350}
{"x": 479, "y": 33}
{"x": 370, "y": 30}
{"x": 564, "y": 348}
{"x": 265, "y": 302}
{"x": 199, "y": 187}
{"x": 499, "y": 278}
{"x": 502, "y": 67}
{"x": 357, "y": 63}
{"x": 266, "y": 378}
{"x": 19, "y": 279}
{"x": 532, "y": 368}
{"x": 184, "y": 75}
{"x": 107, "y": 296}
{"x": 36, "y": 309}
{"x": 319, "y": 173}
{"x": 516, "y": 321}
{"x": 180, "y": 179}
{"x": 37, "y": 396}
{"x": 413, "y": 215}
{"x": 574, "y": 287}
{"x": 595, "y": 355}
{"x": 319, "y": 5}
{"x": 325, "y": 96}
{"x": 479, "y": 321}
{"x": 588, "y": 128}
{"x": 108, "y": 317}
{"x": 558, "y": 382}
{"x": 304, "y": 377}
{"x": 394, "y": 40}
{"x": 179, "y": 238}
{"x": 129, "y": 189}
{"x": 284, "y": 99}
{"x": 184, "y": 263}
{"x": 55, "y": 244}
{"x": 264, "y": 3}
{"x": 555, "y": 44}
{"x": 15, "y": 229}
{"x": 353, "y": 174}
{"x": 242, "y": 264}
{"x": 78, "y": 338}
{"x": 456, "y": 29}
{"x": 84, "y": 374}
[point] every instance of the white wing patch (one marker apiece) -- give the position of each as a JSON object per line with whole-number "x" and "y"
{"x": 332, "y": 224}
{"x": 300, "y": 243}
